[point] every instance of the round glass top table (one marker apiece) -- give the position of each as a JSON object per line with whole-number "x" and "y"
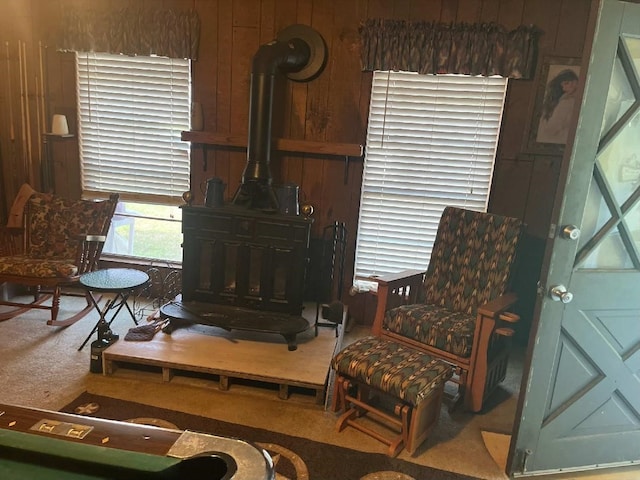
{"x": 120, "y": 281}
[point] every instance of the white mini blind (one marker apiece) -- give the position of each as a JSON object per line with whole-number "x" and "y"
{"x": 431, "y": 142}
{"x": 132, "y": 111}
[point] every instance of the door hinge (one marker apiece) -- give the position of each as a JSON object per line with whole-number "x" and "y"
{"x": 521, "y": 458}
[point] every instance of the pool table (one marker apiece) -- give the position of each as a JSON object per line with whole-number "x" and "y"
{"x": 42, "y": 444}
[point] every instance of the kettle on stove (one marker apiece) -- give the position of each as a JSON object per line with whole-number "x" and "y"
{"x": 213, "y": 196}
{"x": 288, "y": 199}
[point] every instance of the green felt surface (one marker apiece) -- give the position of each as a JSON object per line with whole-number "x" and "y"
{"x": 26, "y": 456}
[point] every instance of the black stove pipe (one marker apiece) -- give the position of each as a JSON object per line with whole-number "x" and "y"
{"x": 270, "y": 61}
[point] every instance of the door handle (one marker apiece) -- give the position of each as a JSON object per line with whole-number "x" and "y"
{"x": 559, "y": 293}
{"x": 570, "y": 232}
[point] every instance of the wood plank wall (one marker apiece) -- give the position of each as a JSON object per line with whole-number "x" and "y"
{"x": 332, "y": 108}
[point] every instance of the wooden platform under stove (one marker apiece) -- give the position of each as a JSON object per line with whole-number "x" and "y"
{"x": 233, "y": 355}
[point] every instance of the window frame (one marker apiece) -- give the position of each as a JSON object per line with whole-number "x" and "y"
{"x": 416, "y": 161}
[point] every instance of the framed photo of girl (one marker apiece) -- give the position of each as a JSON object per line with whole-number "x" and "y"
{"x": 555, "y": 98}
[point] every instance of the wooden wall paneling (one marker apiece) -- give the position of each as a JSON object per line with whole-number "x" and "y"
{"x": 45, "y": 21}
{"x": 468, "y": 11}
{"x": 267, "y": 21}
{"x": 304, "y": 12}
{"x": 510, "y": 13}
{"x": 5, "y": 136}
{"x": 345, "y": 123}
{"x": 537, "y": 13}
{"x": 19, "y": 16}
{"x": 354, "y": 188}
{"x": 510, "y": 16}
{"x": 204, "y": 79}
{"x": 514, "y": 118}
{"x": 430, "y": 11}
{"x": 539, "y": 204}
{"x": 380, "y": 9}
{"x": 294, "y": 127}
{"x": 570, "y": 39}
{"x": 174, "y": 4}
{"x": 288, "y": 12}
{"x": 511, "y": 178}
{"x": 11, "y": 134}
{"x": 490, "y": 10}
{"x": 53, "y": 66}
{"x": 221, "y": 165}
{"x": 318, "y": 115}
{"x": 246, "y": 13}
{"x": 449, "y": 11}
{"x": 366, "y": 79}
{"x": 66, "y": 162}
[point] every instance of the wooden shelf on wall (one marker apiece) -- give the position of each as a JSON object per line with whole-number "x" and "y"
{"x": 279, "y": 144}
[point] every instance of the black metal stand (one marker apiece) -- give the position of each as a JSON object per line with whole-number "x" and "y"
{"x": 329, "y": 292}
{"x": 103, "y": 327}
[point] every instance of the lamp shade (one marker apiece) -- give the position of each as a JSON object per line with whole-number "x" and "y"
{"x": 59, "y": 125}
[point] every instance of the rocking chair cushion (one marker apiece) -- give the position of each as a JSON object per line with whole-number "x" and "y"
{"x": 402, "y": 372}
{"x": 23, "y": 266}
{"x": 435, "y": 326}
{"x": 57, "y": 221}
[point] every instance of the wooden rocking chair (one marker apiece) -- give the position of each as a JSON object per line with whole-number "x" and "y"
{"x": 59, "y": 240}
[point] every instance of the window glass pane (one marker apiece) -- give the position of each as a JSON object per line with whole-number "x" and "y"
{"x": 146, "y": 231}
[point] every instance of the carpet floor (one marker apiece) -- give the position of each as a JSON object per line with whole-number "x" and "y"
{"x": 294, "y": 457}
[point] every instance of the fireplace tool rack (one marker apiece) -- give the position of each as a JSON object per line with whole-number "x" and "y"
{"x": 329, "y": 306}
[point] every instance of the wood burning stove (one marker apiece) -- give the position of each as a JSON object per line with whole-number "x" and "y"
{"x": 240, "y": 257}
{"x": 244, "y": 264}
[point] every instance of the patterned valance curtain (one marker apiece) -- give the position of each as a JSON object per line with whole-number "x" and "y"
{"x": 167, "y": 33}
{"x": 428, "y": 47}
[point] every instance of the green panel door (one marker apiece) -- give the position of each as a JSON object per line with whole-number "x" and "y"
{"x": 580, "y": 403}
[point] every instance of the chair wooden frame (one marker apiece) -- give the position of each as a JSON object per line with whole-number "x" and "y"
{"x": 14, "y": 243}
{"x": 477, "y": 375}
{"x": 412, "y": 424}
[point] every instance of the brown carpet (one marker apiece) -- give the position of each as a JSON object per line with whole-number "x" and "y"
{"x": 322, "y": 461}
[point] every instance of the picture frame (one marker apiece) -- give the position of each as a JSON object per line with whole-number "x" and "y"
{"x": 553, "y": 106}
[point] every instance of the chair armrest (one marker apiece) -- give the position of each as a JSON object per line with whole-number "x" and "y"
{"x": 498, "y": 306}
{"x": 494, "y": 320}
{"x": 399, "y": 278}
{"x": 394, "y": 290}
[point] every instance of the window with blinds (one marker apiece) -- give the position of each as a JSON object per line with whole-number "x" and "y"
{"x": 431, "y": 142}
{"x": 132, "y": 111}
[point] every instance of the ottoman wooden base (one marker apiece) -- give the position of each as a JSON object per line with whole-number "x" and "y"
{"x": 407, "y": 426}
{"x": 399, "y": 389}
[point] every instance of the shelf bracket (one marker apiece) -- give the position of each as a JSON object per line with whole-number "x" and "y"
{"x": 346, "y": 169}
{"x": 205, "y": 160}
